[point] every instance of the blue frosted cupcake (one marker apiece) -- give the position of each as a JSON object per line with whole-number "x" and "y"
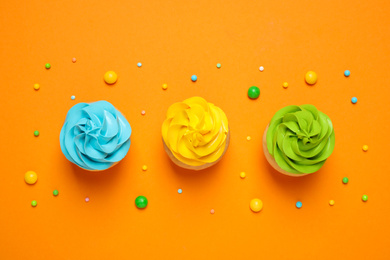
{"x": 95, "y": 136}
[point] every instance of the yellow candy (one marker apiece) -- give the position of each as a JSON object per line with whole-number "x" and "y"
{"x": 248, "y": 138}
{"x": 144, "y": 168}
{"x": 36, "y": 86}
{"x": 285, "y": 85}
{"x": 311, "y": 77}
{"x": 242, "y": 175}
{"x": 164, "y": 86}
{"x": 256, "y": 205}
{"x": 331, "y": 202}
{"x": 110, "y": 77}
{"x": 30, "y": 177}
{"x": 365, "y": 148}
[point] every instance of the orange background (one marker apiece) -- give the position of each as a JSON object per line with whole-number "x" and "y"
{"x": 173, "y": 40}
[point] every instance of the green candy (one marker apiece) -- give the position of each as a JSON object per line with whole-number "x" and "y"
{"x": 141, "y": 202}
{"x": 47, "y": 66}
{"x": 55, "y": 192}
{"x": 345, "y": 180}
{"x": 300, "y": 138}
{"x": 36, "y": 133}
{"x": 34, "y": 203}
{"x": 364, "y": 198}
{"x": 253, "y": 92}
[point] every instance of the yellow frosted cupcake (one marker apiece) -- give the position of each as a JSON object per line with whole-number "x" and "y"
{"x": 195, "y": 133}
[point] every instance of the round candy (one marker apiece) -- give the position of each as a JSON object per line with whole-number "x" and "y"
{"x": 365, "y": 148}
{"x": 73, "y": 60}
{"x": 261, "y": 68}
{"x": 212, "y": 211}
{"x": 139, "y": 64}
{"x": 345, "y": 180}
{"x": 164, "y": 86}
{"x": 180, "y": 191}
{"x": 55, "y": 192}
{"x": 347, "y": 73}
{"x": 30, "y": 177}
{"x": 285, "y": 84}
{"x": 354, "y": 100}
{"x": 253, "y": 92}
{"x": 256, "y": 205}
{"x": 36, "y": 133}
{"x": 47, "y": 66}
{"x": 218, "y": 65}
{"x": 298, "y": 204}
{"x": 364, "y": 198}
{"x": 34, "y": 203}
{"x": 144, "y": 168}
{"x": 141, "y": 202}
{"x": 110, "y": 77}
{"x": 248, "y": 138}
{"x": 86, "y": 199}
{"x": 194, "y": 78}
{"x": 36, "y": 86}
{"x": 331, "y": 202}
{"x": 242, "y": 175}
{"x": 143, "y": 112}
{"x": 72, "y": 97}
{"x": 311, "y": 77}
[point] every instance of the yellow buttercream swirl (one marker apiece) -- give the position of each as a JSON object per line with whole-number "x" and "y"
{"x": 195, "y": 131}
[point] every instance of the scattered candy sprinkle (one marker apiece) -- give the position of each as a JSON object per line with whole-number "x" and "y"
{"x": 261, "y": 68}
{"x": 194, "y": 78}
{"x": 36, "y": 133}
{"x": 218, "y": 65}
{"x": 141, "y": 202}
{"x": 47, "y": 66}
{"x": 331, "y": 202}
{"x": 144, "y": 168}
{"x": 253, "y": 92}
{"x": 285, "y": 84}
{"x": 55, "y": 192}
{"x": 354, "y": 100}
{"x": 72, "y": 97}
{"x": 345, "y": 180}
{"x": 30, "y": 177}
{"x": 164, "y": 86}
{"x": 34, "y": 203}
{"x": 73, "y": 60}
{"x": 86, "y": 199}
{"x": 347, "y": 73}
{"x": 298, "y": 204}
{"x": 311, "y": 77}
{"x": 36, "y": 86}
{"x": 365, "y": 148}
{"x": 180, "y": 191}
{"x": 143, "y": 112}
{"x": 212, "y": 211}
{"x": 110, "y": 77}
{"x": 139, "y": 64}
{"x": 248, "y": 138}
{"x": 364, "y": 198}
{"x": 242, "y": 175}
{"x": 256, "y": 205}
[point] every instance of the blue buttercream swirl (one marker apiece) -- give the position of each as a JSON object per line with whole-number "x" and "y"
{"x": 95, "y": 135}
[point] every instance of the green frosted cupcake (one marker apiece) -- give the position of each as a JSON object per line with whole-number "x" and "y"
{"x": 298, "y": 140}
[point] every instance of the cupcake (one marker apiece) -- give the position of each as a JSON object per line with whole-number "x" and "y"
{"x": 298, "y": 140}
{"x": 95, "y": 136}
{"x": 195, "y": 133}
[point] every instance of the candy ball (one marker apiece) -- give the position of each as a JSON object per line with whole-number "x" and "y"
{"x": 34, "y": 203}
{"x": 253, "y": 92}
{"x": 72, "y": 97}
{"x": 36, "y": 133}
{"x": 298, "y": 204}
{"x": 36, "y": 86}
{"x": 110, "y": 77}
{"x": 73, "y": 60}
{"x": 164, "y": 86}
{"x": 30, "y": 177}
{"x": 194, "y": 78}
{"x": 256, "y": 205}
{"x": 331, "y": 202}
{"x": 180, "y": 191}
{"x": 311, "y": 77}
{"x": 365, "y": 148}
{"x": 218, "y": 65}
{"x": 364, "y": 198}
{"x": 141, "y": 202}
{"x": 212, "y": 211}
{"x": 139, "y": 64}
{"x": 55, "y": 192}
{"x": 144, "y": 167}
{"x": 285, "y": 84}
{"x": 345, "y": 180}
{"x": 347, "y": 73}
{"x": 261, "y": 68}
{"x": 354, "y": 100}
{"x": 242, "y": 175}
{"x": 47, "y": 66}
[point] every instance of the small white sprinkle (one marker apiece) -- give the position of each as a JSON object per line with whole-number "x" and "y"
{"x": 261, "y": 68}
{"x": 86, "y": 199}
{"x": 72, "y": 97}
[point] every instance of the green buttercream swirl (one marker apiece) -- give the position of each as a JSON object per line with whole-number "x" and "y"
{"x": 300, "y": 138}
